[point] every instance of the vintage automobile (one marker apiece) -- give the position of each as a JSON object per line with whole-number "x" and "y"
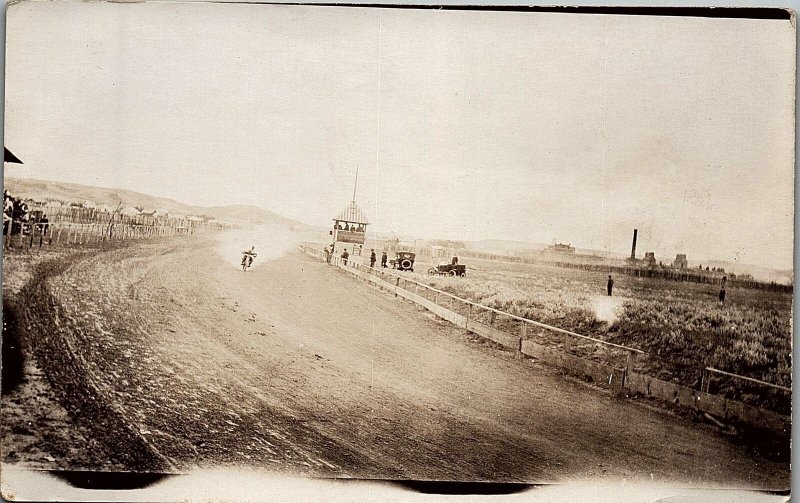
{"x": 448, "y": 269}
{"x": 403, "y": 261}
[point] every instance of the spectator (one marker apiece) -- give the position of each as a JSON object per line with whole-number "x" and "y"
{"x": 8, "y": 203}
{"x": 384, "y": 258}
{"x": 722, "y": 294}
{"x": 345, "y": 255}
{"x": 610, "y": 285}
{"x": 372, "y": 258}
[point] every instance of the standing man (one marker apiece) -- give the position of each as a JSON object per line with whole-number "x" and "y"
{"x": 372, "y": 258}
{"x": 384, "y": 258}
{"x": 345, "y": 255}
{"x": 722, "y": 294}
{"x": 610, "y": 285}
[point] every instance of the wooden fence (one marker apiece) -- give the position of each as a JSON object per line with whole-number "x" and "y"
{"x": 617, "y": 370}
{"x": 22, "y": 234}
{"x": 79, "y": 215}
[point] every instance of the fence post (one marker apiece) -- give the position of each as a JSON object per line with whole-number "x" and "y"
{"x": 492, "y": 314}
{"x": 705, "y": 381}
{"x": 523, "y": 332}
{"x": 466, "y": 322}
{"x": 567, "y": 343}
{"x": 396, "y": 286}
{"x": 629, "y": 361}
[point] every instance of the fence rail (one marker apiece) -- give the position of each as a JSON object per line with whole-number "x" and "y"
{"x": 709, "y": 371}
{"x": 618, "y": 375}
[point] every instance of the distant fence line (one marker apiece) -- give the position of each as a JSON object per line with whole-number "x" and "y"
{"x": 688, "y": 275}
{"x": 619, "y": 375}
{"x": 24, "y": 234}
{"x": 80, "y": 215}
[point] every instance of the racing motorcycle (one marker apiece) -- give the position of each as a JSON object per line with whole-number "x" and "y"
{"x": 247, "y": 258}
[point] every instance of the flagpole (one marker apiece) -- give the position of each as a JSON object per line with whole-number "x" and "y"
{"x": 355, "y": 185}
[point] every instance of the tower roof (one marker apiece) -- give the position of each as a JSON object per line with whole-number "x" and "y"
{"x": 352, "y": 213}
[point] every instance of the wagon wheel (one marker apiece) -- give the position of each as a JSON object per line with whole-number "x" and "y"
{"x": 463, "y": 274}
{"x": 432, "y": 270}
{"x": 453, "y": 273}
{"x": 406, "y": 264}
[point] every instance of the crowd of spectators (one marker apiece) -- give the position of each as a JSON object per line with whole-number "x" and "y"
{"x": 16, "y": 214}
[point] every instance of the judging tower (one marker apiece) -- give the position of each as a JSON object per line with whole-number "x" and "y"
{"x": 350, "y": 226}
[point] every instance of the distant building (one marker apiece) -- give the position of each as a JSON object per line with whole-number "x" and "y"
{"x": 680, "y": 261}
{"x": 393, "y": 243}
{"x": 438, "y": 251}
{"x": 649, "y": 259}
{"x": 560, "y": 248}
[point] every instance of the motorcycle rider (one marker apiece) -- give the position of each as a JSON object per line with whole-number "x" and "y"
{"x": 247, "y": 257}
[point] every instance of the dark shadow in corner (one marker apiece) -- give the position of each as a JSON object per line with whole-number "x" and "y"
{"x": 13, "y": 360}
{"x": 121, "y": 481}
{"x": 463, "y": 488}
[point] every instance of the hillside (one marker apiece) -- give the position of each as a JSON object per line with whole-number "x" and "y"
{"x": 71, "y": 192}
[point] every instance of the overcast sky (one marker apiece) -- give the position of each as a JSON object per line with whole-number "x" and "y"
{"x": 470, "y": 125}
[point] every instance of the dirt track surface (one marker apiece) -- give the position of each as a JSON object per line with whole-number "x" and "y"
{"x": 295, "y": 366}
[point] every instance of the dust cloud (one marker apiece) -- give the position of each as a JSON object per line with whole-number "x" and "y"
{"x": 270, "y": 241}
{"x": 606, "y": 308}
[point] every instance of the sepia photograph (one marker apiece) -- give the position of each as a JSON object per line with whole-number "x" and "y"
{"x": 384, "y": 253}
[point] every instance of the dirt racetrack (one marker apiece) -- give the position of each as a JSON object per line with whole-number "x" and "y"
{"x": 295, "y": 366}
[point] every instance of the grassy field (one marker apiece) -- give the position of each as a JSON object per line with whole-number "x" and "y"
{"x": 681, "y": 326}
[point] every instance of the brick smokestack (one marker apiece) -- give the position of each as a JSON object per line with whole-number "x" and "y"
{"x": 633, "y": 246}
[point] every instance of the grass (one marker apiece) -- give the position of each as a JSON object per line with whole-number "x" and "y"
{"x": 681, "y": 326}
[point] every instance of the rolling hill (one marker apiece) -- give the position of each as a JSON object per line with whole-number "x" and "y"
{"x": 74, "y": 193}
